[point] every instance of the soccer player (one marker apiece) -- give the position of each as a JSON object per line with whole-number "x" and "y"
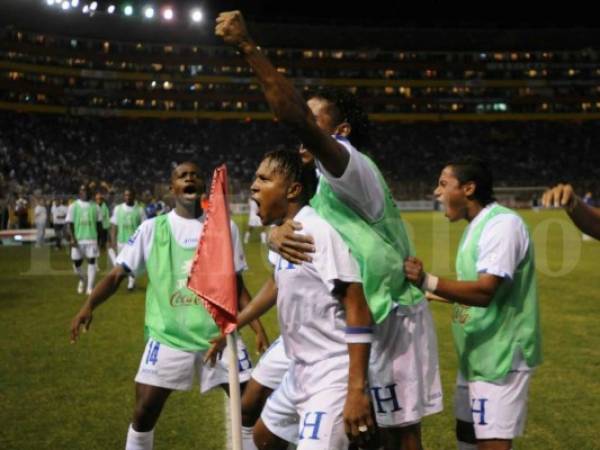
{"x": 584, "y": 216}
{"x": 85, "y": 220}
{"x": 105, "y": 217}
{"x": 254, "y": 223}
{"x": 178, "y": 327}
{"x": 324, "y": 321}
{"x": 40, "y": 217}
{"x": 354, "y": 198}
{"x": 495, "y": 319}
{"x": 59, "y": 215}
{"x": 126, "y": 218}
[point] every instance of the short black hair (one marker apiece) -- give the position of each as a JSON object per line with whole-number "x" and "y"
{"x": 289, "y": 164}
{"x": 477, "y": 171}
{"x": 347, "y": 109}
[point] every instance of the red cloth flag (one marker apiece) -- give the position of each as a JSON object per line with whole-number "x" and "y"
{"x": 212, "y": 276}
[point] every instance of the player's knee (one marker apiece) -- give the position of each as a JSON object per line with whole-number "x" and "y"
{"x": 77, "y": 262}
{"x": 146, "y": 414}
{"x": 92, "y": 261}
{"x": 465, "y": 432}
{"x": 265, "y": 440}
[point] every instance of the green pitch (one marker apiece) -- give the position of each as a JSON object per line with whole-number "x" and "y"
{"x": 55, "y": 395}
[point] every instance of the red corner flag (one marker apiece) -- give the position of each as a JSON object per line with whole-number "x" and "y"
{"x": 212, "y": 276}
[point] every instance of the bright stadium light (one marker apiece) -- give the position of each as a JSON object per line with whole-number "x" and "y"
{"x": 65, "y": 5}
{"x": 148, "y": 12}
{"x": 74, "y": 3}
{"x": 50, "y": 2}
{"x": 128, "y": 10}
{"x": 85, "y": 9}
{"x": 168, "y": 13}
{"x": 196, "y": 15}
{"x": 110, "y": 9}
{"x": 93, "y": 6}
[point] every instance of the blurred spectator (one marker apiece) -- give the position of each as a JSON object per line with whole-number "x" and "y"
{"x": 40, "y": 218}
{"x": 22, "y": 212}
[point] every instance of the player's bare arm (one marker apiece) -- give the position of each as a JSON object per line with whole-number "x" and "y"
{"x": 103, "y": 290}
{"x": 291, "y": 245}
{"x": 585, "y": 217}
{"x": 285, "y": 101}
{"x": 264, "y": 300}
{"x": 358, "y": 421}
{"x": 261, "y": 338}
{"x": 471, "y": 293}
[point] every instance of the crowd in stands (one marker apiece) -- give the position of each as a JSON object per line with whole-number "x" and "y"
{"x": 51, "y": 155}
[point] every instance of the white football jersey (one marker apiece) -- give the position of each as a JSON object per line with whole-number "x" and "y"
{"x": 311, "y": 320}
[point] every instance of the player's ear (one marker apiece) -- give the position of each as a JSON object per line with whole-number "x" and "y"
{"x": 294, "y": 191}
{"x": 343, "y": 129}
{"x": 469, "y": 188}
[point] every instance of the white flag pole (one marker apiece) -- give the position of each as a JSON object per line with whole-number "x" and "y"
{"x": 235, "y": 403}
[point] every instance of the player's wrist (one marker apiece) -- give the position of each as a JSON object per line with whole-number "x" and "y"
{"x": 429, "y": 282}
{"x": 247, "y": 46}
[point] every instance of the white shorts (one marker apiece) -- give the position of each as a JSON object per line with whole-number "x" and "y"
{"x": 170, "y": 368}
{"x": 85, "y": 251}
{"x": 496, "y": 409}
{"x": 404, "y": 374}
{"x": 254, "y": 221}
{"x": 307, "y": 408}
{"x": 272, "y": 365}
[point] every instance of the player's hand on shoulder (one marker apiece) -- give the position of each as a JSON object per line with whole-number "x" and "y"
{"x": 413, "y": 269}
{"x": 81, "y": 322}
{"x": 294, "y": 247}
{"x": 561, "y": 195}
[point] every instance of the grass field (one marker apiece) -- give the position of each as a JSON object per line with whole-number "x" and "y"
{"x": 55, "y": 395}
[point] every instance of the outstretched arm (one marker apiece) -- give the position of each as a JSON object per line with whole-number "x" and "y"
{"x": 471, "y": 293}
{"x": 262, "y": 340}
{"x": 103, "y": 290}
{"x": 585, "y": 217}
{"x": 259, "y": 305}
{"x": 285, "y": 101}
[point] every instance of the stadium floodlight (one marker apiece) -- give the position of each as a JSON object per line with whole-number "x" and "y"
{"x": 111, "y": 9}
{"x": 93, "y": 6}
{"x": 128, "y": 10}
{"x": 50, "y": 2}
{"x": 148, "y": 12}
{"x": 85, "y": 9}
{"x": 65, "y": 5}
{"x": 196, "y": 15}
{"x": 74, "y": 3}
{"x": 167, "y": 13}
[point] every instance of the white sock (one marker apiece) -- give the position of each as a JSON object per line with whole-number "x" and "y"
{"x": 263, "y": 237}
{"x": 246, "y": 237}
{"x": 78, "y": 272}
{"x": 247, "y": 440}
{"x": 91, "y": 275}
{"x": 466, "y": 446}
{"x": 137, "y": 440}
{"x": 131, "y": 282}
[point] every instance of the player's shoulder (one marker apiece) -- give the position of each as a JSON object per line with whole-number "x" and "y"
{"x": 313, "y": 223}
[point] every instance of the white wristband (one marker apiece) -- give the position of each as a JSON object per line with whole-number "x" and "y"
{"x": 430, "y": 282}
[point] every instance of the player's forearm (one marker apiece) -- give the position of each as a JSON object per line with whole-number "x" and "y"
{"x": 259, "y": 305}
{"x": 244, "y": 301}
{"x": 359, "y": 335}
{"x": 106, "y": 287}
{"x": 72, "y": 231}
{"x": 113, "y": 235}
{"x": 470, "y": 293}
{"x": 586, "y": 218}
